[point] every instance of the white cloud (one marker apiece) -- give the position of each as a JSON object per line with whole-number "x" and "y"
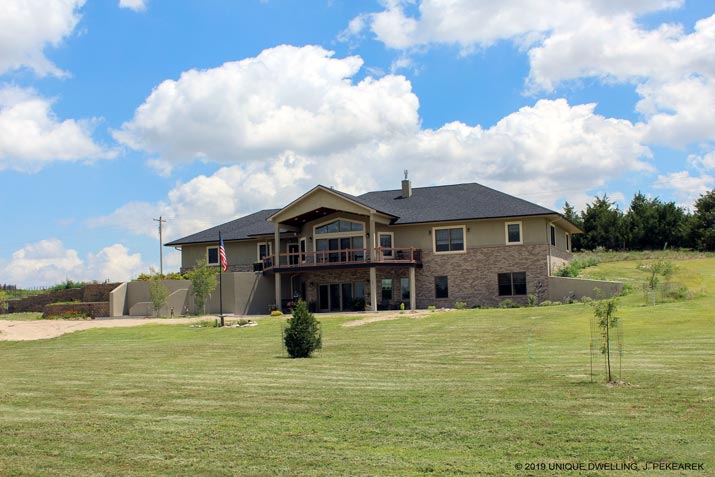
{"x": 673, "y": 71}
{"x": 136, "y": 5}
{"x": 31, "y": 136}
{"x": 543, "y": 153}
{"x": 704, "y": 162}
{"x": 285, "y": 99}
{"x": 48, "y": 262}
{"x": 27, "y": 27}
{"x": 470, "y": 23}
{"x": 685, "y": 187}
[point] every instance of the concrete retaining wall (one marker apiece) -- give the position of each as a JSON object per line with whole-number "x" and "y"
{"x": 564, "y": 287}
{"x": 244, "y": 293}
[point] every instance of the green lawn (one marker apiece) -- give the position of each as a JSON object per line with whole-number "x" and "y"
{"x": 472, "y": 392}
{"x": 30, "y": 316}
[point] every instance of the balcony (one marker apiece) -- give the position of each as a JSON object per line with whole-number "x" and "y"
{"x": 346, "y": 258}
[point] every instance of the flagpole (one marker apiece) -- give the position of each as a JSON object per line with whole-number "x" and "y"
{"x": 220, "y": 283}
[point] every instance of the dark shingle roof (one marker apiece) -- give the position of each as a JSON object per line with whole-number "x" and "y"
{"x": 427, "y": 204}
{"x": 239, "y": 229}
{"x": 451, "y": 202}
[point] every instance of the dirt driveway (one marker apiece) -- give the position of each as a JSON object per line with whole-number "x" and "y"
{"x": 43, "y": 329}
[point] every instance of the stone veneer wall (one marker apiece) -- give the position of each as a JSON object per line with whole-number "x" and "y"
{"x": 91, "y": 309}
{"x": 88, "y": 293}
{"x": 559, "y": 259}
{"x": 314, "y": 279}
{"x": 473, "y": 275}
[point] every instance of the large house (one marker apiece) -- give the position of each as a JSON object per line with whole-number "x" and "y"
{"x": 418, "y": 246}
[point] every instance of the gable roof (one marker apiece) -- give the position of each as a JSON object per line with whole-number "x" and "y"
{"x": 451, "y": 202}
{"x": 239, "y": 229}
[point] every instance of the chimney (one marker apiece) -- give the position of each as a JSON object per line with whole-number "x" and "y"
{"x": 406, "y": 187}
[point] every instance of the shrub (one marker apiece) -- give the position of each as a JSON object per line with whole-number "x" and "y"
{"x": 550, "y": 303}
{"x": 532, "y": 300}
{"x": 508, "y": 303}
{"x": 402, "y": 308}
{"x": 460, "y": 305}
{"x": 432, "y": 308}
{"x": 276, "y": 313}
{"x": 359, "y": 304}
{"x": 303, "y": 335}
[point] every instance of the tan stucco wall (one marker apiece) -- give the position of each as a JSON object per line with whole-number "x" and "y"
{"x": 243, "y": 253}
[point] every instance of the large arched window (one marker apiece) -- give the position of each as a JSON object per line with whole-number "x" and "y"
{"x": 336, "y": 236}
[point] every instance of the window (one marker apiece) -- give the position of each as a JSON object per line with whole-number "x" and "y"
{"x": 512, "y": 284}
{"x": 211, "y": 255}
{"x": 513, "y": 233}
{"x": 387, "y": 289}
{"x": 449, "y": 240}
{"x": 264, "y": 250}
{"x": 568, "y": 244}
{"x": 405, "y": 288}
{"x": 302, "y": 249}
{"x": 385, "y": 239}
{"x": 441, "y": 287}
{"x": 553, "y": 236}
{"x": 338, "y": 226}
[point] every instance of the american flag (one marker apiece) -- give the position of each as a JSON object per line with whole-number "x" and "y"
{"x": 222, "y": 255}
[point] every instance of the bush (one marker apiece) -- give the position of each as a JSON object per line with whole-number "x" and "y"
{"x": 358, "y": 304}
{"x": 532, "y": 300}
{"x": 460, "y": 305}
{"x": 402, "y": 308}
{"x": 432, "y": 308}
{"x": 550, "y": 303}
{"x": 303, "y": 335}
{"x": 508, "y": 303}
{"x": 276, "y": 313}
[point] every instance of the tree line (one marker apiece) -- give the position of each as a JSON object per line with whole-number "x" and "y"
{"x": 648, "y": 224}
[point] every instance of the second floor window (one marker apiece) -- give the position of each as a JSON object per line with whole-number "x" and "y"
{"x": 449, "y": 239}
{"x": 513, "y": 233}
{"x": 212, "y": 256}
{"x": 264, "y": 250}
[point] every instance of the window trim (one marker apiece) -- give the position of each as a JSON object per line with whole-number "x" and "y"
{"x": 449, "y": 227}
{"x": 218, "y": 258}
{"x": 303, "y": 249}
{"x": 391, "y": 253}
{"x": 520, "y": 223}
{"x": 258, "y": 250}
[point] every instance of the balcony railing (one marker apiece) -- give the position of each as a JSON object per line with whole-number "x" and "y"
{"x": 352, "y": 256}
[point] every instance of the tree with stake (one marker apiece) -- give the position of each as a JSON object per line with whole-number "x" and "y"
{"x": 203, "y": 282}
{"x": 605, "y": 313}
{"x": 655, "y": 270}
{"x": 302, "y": 336}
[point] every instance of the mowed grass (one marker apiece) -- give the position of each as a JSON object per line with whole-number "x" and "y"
{"x": 471, "y": 392}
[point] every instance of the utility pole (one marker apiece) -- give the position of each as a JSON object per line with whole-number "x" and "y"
{"x": 161, "y": 246}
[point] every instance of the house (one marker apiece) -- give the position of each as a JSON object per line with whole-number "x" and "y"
{"x": 418, "y": 246}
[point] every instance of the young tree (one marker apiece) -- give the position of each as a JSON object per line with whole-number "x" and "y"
{"x": 605, "y": 313}
{"x": 655, "y": 270}
{"x": 302, "y": 336}
{"x": 159, "y": 293}
{"x": 204, "y": 282}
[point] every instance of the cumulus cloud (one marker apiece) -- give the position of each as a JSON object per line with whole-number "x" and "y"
{"x": 48, "y": 262}
{"x": 544, "y": 153}
{"x": 285, "y": 99}
{"x": 31, "y": 136}
{"x": 685, "y": 187}
{"x": 27, "y": 27}
{"x": 136, "y": 5}
{"x": 673, "y": 71}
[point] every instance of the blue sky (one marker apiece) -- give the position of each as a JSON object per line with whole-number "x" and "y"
{"x": 113, "y": 113}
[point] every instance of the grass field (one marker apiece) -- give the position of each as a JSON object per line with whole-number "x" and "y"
{"x": 473, "y": 392}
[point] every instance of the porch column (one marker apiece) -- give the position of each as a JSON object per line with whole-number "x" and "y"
{"x": 276, "y": 262}
{"x": 373, "y": 289}
{"x": 373, "y": 239}
{"x": 413, "y": 291}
